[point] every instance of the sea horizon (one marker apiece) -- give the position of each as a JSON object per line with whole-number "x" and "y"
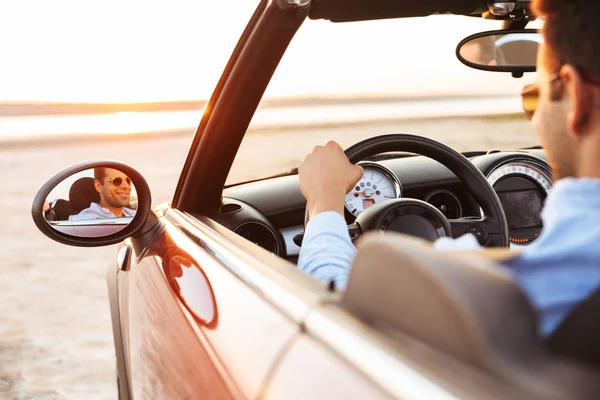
{"x": 60, "y": 120}
{"x": 24, "y": 108}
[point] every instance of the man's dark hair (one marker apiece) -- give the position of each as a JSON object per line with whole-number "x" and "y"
{"x": 572, "y": 32}
{"x": 99, "y": 173}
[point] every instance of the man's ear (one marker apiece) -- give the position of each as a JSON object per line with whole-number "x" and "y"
{"x": 97, "y": 185}
{"x": 581, "y": 101}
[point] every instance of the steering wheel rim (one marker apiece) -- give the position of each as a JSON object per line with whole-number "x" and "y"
{"x": 493, "y": 223}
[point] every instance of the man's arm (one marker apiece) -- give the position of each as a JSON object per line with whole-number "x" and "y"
{"x": 325, "y": 176}
{"x": 327, "y": 251}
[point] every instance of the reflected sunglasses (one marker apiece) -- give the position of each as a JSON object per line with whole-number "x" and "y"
{"x": 531, "y": 93}
{"x": 118, "y": 181}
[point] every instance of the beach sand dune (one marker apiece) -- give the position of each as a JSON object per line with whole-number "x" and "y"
{"x": 55, "y": 332}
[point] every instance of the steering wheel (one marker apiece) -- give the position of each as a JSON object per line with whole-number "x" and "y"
{"x": 418, "y": 218}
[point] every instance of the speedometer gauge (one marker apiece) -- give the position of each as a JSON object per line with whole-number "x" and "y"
{"x": 377, "y": 185}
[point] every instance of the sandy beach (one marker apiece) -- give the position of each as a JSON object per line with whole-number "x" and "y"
{"x": 55, "y": 333}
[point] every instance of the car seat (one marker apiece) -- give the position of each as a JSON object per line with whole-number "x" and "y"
{"x": 60, "y": 210}
{"x": 468, "y": 306}
{"x": 578, "y": 337}
{"x": 81, "y": 194}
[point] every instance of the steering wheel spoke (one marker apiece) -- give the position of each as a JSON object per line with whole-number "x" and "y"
{"x": 478, "y": 227}
{"x": 355, "y": 231}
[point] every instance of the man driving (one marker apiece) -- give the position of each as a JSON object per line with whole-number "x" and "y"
{"x": 114, "y": 189}
{"x": 561, "y": 268}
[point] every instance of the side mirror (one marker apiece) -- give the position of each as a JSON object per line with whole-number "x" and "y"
{"x": 501, "y": 51}
{"x": 94, "y": 203}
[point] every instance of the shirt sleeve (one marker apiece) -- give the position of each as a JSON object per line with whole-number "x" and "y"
{"x": 327, "y": 251}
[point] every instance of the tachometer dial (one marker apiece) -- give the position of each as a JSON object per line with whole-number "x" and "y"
{"x": 378, "y": 184}
{"x": 531, "y": 172}
{"x": 522, "y": 187}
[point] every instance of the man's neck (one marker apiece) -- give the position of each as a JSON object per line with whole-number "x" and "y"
{"x": 589, "y": 157}
{"x": 117, "y": 211}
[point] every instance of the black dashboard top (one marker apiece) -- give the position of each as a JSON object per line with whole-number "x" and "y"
{"x": 278, "y": 204}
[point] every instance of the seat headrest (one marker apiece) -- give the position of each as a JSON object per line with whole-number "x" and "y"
{"x": 83, "y": 193}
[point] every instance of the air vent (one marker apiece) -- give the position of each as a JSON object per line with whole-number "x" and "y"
{"x": 260, "y": 235}
{"x": 229, "y": 208}
{"x": 446, "y": 202}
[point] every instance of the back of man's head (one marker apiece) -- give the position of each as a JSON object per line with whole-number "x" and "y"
{"x": 572, "y": 32}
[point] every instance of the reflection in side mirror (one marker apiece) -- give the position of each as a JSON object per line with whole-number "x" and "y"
{"x": 502, "y": 51}
{"x": 92, "y": 203}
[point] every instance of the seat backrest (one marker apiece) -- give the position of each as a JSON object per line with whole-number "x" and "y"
{"x": 453, "y": 305}
{"x": 465, "y": 305}
{"x": 60, "y": 210}
{"x": 578, "y": 336}
{"x": 83, "y": 193}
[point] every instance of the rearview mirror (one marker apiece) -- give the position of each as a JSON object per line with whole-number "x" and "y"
{"x": 92, "y": 204}
{"x": 501, "y": 51}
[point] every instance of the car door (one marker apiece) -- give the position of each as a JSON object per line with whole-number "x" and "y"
{"x": 204, "y": 319}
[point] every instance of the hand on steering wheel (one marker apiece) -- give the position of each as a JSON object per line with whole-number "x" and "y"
{"x": 327, "y": 175}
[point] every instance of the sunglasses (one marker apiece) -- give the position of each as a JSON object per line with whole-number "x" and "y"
{"x": 531, "y": 93}
{"x": 118, "y": 181}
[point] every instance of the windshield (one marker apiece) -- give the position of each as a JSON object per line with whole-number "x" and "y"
{"x": 347, "y": 82}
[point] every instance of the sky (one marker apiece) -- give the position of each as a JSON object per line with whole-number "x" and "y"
{"x": 116, "y": 51}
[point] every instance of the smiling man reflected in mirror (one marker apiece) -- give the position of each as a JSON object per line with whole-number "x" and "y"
{"x": 114, "y": 188}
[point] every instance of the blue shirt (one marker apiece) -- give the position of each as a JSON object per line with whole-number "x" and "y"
{"x": 556, "y": 272}
{"x": 96, "y": 211}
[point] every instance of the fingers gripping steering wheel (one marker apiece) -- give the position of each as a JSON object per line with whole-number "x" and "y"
{"x": 418, "y": 218}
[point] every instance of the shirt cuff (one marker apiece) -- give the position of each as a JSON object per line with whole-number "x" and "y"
{"x": 465, "y": 242}
{"x": 327, "y": 221}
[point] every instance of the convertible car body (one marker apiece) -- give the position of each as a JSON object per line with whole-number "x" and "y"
{"x": 206, "y": 301}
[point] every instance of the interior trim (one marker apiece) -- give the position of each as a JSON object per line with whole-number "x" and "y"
{"x": 291, "y": 248}
{"x": 278, "y": 282}
{"x": 381, "y": 365}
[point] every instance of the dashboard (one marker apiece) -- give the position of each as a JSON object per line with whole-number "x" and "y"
{"x": 270, "y": 212}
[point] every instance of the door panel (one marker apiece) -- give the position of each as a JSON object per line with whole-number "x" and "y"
{"x": 196, "y": 330}
{"x": 247, "y": 333}
{"x": 311, "y": 371}
{"x": 167, "y": 358}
